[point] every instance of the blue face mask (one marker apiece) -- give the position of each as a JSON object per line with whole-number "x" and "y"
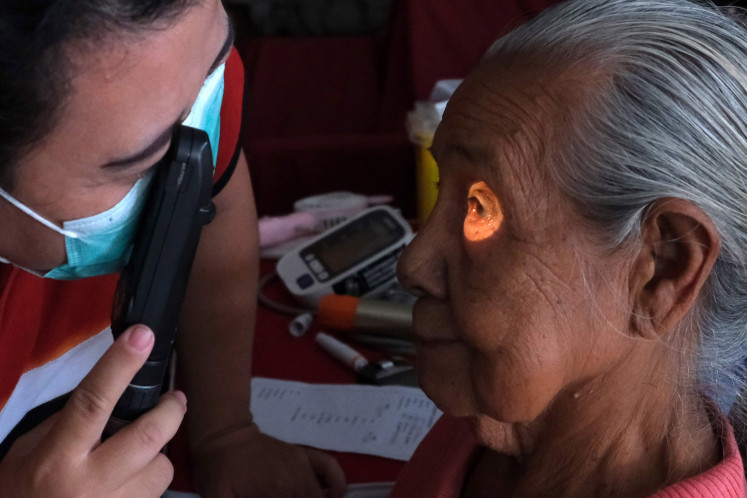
{"x": 102, "y": 243}
{"x": 98, "y": 244}
{"x": 205, "y": 113}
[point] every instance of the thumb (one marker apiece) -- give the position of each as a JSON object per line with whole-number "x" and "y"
{"x": 85, "y": 414}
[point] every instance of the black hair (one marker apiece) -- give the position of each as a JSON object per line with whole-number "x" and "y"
{"x": 35, "y": 70}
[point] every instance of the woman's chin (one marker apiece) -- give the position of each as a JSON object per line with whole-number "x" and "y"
{"x": 445, "y": 393}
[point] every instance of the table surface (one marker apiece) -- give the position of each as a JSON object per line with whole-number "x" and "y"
{"x": 277, "y": 354}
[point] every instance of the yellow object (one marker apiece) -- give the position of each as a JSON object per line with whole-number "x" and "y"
{"x": 426, "y": 177}
{"x": 421, "y": 124}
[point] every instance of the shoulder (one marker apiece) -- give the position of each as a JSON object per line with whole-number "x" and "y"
{"x": 230, "y": 120}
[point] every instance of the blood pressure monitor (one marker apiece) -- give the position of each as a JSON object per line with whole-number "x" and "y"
{"x": 357, "y": 257}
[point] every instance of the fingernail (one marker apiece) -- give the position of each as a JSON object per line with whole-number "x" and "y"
{"x": 181, "y": 397}
{"x": 140, "y": 338}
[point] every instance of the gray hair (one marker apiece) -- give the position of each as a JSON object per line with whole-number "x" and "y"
{"x": 670, "y": 120}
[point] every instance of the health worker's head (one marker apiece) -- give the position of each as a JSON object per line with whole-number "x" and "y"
{"x": 90, "y": 93}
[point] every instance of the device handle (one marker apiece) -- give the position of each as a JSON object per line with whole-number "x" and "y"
{"x": 152, "y": 287}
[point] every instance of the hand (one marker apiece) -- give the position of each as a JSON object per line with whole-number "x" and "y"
{"x": 247, "y": 463}
{"x": 64, "y": 456}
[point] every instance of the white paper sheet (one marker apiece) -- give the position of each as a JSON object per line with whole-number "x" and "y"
{"x": 387, "y": 421}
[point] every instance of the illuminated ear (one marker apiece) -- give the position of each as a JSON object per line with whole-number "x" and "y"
{"x": 680, "y": 244}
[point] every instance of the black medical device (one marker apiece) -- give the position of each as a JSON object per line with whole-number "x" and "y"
{"x": 152, "y": 286}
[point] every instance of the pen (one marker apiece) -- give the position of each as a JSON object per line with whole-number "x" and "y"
{"x": 341, "y": 351}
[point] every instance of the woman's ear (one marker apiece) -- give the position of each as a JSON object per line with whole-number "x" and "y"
{"x": 679, "y": 246}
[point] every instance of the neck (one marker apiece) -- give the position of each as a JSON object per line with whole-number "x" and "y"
{"x": 626, "y": 433}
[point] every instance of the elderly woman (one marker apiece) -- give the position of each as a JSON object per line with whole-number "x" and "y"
{"x": 582, "y": 281}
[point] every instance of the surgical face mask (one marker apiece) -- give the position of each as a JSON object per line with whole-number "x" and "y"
{"x": 205, "y": 113}
{"x": 99, "y": 244}
{"x": 102, "y": 243}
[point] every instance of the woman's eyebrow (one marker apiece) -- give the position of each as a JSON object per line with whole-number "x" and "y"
{"x": 227, "y": 44}
{"x": 148, "y": 151}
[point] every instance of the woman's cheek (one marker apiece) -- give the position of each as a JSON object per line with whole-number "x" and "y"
{"x": 517, "y": 388}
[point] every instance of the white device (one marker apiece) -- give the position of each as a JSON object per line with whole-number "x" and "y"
{"x": 331, "y": 208}
{"x": 357, "y": 257}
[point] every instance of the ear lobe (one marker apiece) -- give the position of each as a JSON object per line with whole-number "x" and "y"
{"x": 680, "y": 244}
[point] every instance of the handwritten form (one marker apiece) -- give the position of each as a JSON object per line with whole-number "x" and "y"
{"x": 387, "y": 421}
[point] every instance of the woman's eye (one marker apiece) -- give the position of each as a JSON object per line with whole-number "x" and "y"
{"x": 475, "y": 208}
{"x": 484, "y": 215}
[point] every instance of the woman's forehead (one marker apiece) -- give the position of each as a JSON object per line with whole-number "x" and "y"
{"x": 144, "y": 85}
{"x": 490, "y": 121}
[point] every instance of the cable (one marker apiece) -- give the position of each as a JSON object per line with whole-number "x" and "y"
{"x": 285, "y": 309}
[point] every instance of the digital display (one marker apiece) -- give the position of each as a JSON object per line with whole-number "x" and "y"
{"x": 355, "y": 242}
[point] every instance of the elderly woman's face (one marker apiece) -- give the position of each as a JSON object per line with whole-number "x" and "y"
{"x": 517, "y": 306}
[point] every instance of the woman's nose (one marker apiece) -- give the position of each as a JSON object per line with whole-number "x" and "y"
{"x": 421, "y": 268}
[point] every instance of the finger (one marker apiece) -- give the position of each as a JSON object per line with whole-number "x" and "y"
{"x": 134, "y": 446}
{"x": 328, "y": 471}
{"x": 27, "y": 443}
{"x": 153, "y": 481}
{"x": 84, "y": 416}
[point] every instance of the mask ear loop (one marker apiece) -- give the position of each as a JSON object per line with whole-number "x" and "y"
{"x": 67, "y": 233}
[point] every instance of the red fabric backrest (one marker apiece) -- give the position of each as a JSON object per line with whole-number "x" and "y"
{"x": 447, "y": 37}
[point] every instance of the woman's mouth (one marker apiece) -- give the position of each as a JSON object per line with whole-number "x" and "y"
{"x": 427, "y": 344}
{"x": 430, "y": 326}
